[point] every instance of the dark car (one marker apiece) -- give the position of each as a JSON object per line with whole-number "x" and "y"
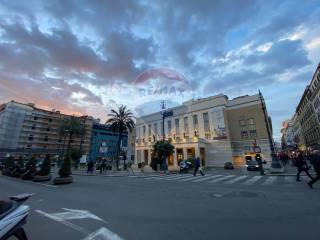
{"x": 228, "y": 165}
{"x": 253, "y": 166}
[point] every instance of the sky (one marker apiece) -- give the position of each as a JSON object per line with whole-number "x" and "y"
{"x": 87, "y": 57}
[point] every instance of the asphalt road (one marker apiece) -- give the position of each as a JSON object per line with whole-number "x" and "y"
{"x": 140, "y": 208}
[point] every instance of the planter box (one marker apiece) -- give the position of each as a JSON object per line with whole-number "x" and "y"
{"x": 60, "y": 180}
{"x": 42, "y": 178}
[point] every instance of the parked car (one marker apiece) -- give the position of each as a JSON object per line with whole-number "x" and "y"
{"x": 228, "y": 165}
{"x": 253, "y": 166}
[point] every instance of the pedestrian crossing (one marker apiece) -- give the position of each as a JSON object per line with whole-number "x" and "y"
{"x": 226, "y": 179}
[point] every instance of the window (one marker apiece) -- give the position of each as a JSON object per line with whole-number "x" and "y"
{"x": 46, "y": 138}
{"x": 242, "y": 123}
{"x": 30, "y": 137}
{"x": 35, "y": 118}
{"x": 176, "y": 123}
{"x": 144, "y": 131}
{"x": 206, "y": 122}
{"x": 195, "y": 122}
{"x": 253, "y": 133}
{"x": 169, "y": 126}
{"x": 185, "y": 125}
{"x": 33, "y": 126}
{"x": 244, "y": 134}
{"x": 149, "y": 130}
{"x": 316, "y": 103}
{"x": 48, "y": 129}
{"x": 155, "y": 128}
{"x": 50, "y": 120}
{"x": 251, "y": 121}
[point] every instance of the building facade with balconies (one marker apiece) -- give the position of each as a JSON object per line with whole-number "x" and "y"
{"x": 26, "y": 129}
{"x": 215, "y": 129}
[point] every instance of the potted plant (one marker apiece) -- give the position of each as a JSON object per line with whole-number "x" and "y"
{"x": 44, "y": 173}
{"x": 64, "y": 172}
{"x": 31, "y": 169}
{"x": 8, "y": 166}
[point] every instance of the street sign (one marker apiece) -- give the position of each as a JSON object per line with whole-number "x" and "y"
{"x": 257, "y": 149}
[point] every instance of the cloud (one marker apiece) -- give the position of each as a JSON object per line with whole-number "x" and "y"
{"x": 71, "y": 54}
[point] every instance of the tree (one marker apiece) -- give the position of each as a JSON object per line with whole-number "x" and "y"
{"x": 9, "y": 162}
{"x": 75, "y": 154}
{"x": 120, "y": 121}
{"x": 46, "y": 166}
{"x": 71, "y": 126}
{"x": 65, "y": 170}
{"x": 31, "y": 165}
{"x": 161, "y": 150}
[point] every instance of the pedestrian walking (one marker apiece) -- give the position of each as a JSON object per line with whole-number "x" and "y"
{"x": 302, "y": 167}
{"x": 197, "y": 167}
{"x": 315, "y": 161}
{"x": 103, "y": 166}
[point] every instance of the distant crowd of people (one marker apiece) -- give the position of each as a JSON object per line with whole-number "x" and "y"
{"x": 300, "y": 159}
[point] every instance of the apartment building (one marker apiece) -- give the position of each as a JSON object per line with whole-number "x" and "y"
{"x": 308, "y": 112}
{"x": 26, "y": 129}
{"x": 215, "y": 129}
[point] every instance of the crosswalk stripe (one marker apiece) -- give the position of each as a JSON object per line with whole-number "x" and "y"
{"x": 176, "y": 177}
{"x": 202, "y": 179}
{"x": 252, "y": 180}
{"x": 235, "y": 180}
{"x": 289, "y": 179}
{"x": 190, "y": 178}
{"x": 221, "y": 179}
{"x": 270, "y": 180}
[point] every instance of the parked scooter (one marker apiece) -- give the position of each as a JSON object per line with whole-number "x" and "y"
{"x": 185, "y": 166}
{"x": 13, "y": 215}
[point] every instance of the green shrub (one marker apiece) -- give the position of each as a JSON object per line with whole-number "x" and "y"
{"x": 9, "y": 162}
{"x": 31, "y": 165}
{"x": 46, "y": 166}
{"x": 65, "y": 170}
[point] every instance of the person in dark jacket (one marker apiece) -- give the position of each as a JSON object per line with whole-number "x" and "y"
{"x": 302, "y": 167}
{"x": 315, "y": 161}
{"x": 196, "y": 166}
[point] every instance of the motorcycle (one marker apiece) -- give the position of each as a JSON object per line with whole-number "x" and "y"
{"x": 13, "y": 215}
{"x": 185, "y": 166}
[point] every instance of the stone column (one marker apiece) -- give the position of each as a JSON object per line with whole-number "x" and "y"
{"x": 175, "y": 160}
{"x": 149, "y": 156}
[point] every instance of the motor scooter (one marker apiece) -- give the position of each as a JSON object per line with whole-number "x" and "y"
{"x": 13, "y": 215}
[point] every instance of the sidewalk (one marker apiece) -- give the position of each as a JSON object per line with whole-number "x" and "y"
{"x": 290, "y": 170}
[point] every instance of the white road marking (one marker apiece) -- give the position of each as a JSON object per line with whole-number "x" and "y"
{"x": 235, "y": 179}
{"x": 46, "y": 185}
{"x": 270, "y": 180}
{"x": 221, "y": 179}
{"x": 189, "y": 178}
{"x": 68, "y": 224}
{"x": 103, "y": 234}
{"x": 252, "y": 180}
{"x": 289, "y": 179}
{"x": 71, "y": 214}
{"x": 174, "y": 177}
{"x": 202, "y": 179}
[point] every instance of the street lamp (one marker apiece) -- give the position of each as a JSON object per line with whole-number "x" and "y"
{"x": 164, "y": 114}
{"x": 274, "y": 160}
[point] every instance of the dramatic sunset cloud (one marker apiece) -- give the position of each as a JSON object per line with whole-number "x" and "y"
{"x": 85, "y": 56}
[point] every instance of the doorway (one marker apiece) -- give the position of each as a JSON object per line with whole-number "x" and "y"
{"x": 145, "y": 157}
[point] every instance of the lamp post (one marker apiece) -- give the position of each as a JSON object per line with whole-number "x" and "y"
{"x": 275, "y": 162}
{"x": 164, "y": 114}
